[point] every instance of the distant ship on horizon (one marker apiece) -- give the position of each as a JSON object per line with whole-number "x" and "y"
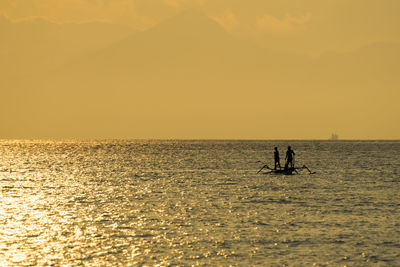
{"x": 334, "y": 137}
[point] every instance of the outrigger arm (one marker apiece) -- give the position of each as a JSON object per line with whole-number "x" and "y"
{"x": 265, "y": 166}
{"x": 305, "y": 167}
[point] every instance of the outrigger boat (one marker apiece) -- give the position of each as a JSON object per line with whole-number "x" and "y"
{"x": 285, "y": 171}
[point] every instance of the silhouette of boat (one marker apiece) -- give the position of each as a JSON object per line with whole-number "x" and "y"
{"x": 285, "y": 171}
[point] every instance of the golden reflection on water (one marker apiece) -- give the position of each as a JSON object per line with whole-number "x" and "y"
{"x": 130, "y": 203}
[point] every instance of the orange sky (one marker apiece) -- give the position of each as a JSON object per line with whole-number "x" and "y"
{"x": 199, "y": 69}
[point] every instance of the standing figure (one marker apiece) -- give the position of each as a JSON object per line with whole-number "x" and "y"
{"x": 289, "y": 157}
{"x": 276, "y": 158}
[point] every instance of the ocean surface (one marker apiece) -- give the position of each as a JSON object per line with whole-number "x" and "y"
{"x": 133, "y": 202}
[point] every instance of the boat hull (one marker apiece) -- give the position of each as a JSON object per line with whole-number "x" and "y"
{"x": 287, "y": 171}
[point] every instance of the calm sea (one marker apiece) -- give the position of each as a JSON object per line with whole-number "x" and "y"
{"x": 113, "y": 202}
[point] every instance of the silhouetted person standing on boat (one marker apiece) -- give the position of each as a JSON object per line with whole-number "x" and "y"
{"x": 289, "y": 157}
{"x": 276, "y": 158}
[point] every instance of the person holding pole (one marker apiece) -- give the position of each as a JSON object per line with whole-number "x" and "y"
{"x": 289, "y": 157}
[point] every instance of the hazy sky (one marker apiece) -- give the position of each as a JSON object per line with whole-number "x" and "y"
{"x": 200, "y": 69}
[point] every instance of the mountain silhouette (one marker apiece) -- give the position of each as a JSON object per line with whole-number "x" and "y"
{"x": 189, "y": 69}
{"x": 188, "y": 41}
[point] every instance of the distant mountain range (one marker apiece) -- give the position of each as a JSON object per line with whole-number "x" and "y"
{"x": 186, "y": 66}
{"x": 191, "y": 46}
{"x": 188, "y": 45}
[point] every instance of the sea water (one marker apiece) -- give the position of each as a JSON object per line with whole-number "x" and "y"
{"x": 133, "y": 202}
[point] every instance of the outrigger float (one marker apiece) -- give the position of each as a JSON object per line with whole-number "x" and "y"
{"x": 285, "y": 171}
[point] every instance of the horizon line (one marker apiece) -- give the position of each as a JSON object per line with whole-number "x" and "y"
{"x": 187, "y": 139}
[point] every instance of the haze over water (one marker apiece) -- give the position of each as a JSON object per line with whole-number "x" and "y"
{"x": 198, "y": 202}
